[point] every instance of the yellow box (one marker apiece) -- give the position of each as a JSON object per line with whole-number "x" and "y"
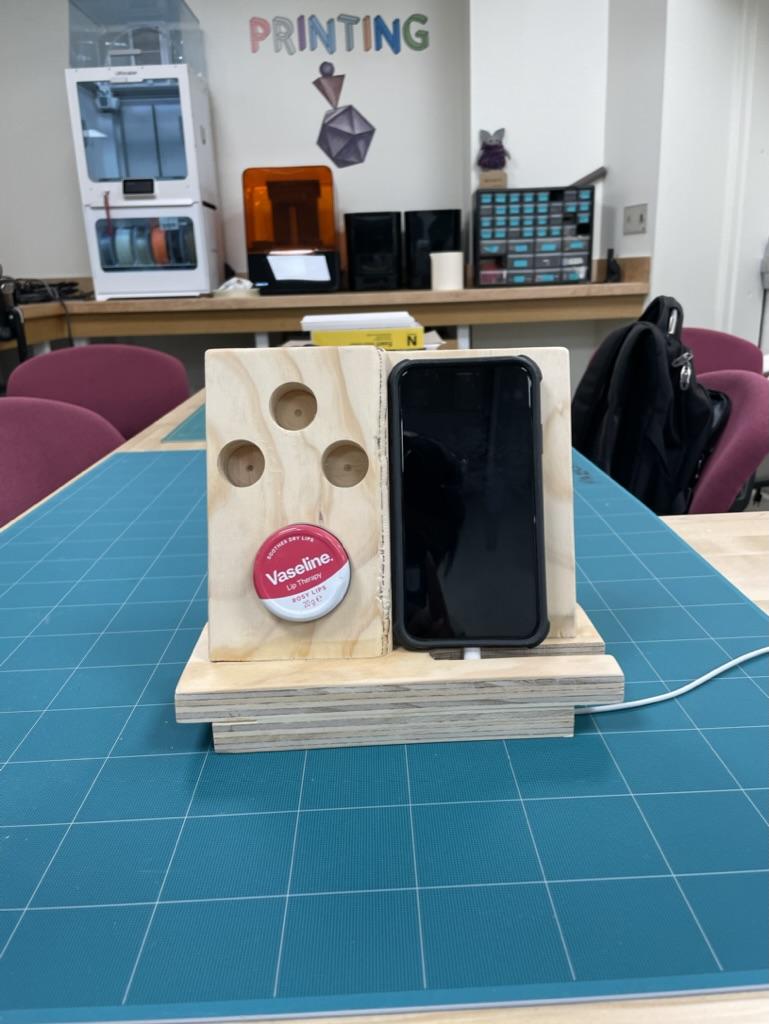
{"x": 392, "y": 338}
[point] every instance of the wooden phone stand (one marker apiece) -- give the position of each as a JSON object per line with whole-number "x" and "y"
{"x": 299, "y": 436}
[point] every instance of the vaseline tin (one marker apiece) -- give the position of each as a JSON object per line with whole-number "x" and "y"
{"x": 301, "y": 572}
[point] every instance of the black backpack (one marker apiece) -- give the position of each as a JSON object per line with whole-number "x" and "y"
{"x": 640, "y": 415}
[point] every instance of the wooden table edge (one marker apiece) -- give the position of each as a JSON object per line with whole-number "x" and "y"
{"x": 151, "y": 438}
{"x": 749, "y": 1007}
{"x": 724, "y": 539}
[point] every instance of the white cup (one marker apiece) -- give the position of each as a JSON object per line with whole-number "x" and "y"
{"x": 447, "y": 271}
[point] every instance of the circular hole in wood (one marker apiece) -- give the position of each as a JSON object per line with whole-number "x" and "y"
{"x": 345, "y": 464}
{"x": 293, "y": 406}
{"x": 241, "y": 462}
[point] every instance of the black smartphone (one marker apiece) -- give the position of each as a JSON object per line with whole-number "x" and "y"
{"x": 466, "y": 503}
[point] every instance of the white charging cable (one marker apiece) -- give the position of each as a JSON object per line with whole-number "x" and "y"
{"x": 474, "y": 653}
{"x": 595, "y": 709}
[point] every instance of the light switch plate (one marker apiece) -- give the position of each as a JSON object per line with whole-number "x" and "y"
{"x": 634, "y": 219}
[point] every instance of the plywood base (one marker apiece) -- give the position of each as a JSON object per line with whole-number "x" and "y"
{"x": 407, "y": 727}
{"x": 404, "y": 696}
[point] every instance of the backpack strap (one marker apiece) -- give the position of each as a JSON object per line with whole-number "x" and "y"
{"x": 589, "y": 403}
{"x": 667, "y": 314}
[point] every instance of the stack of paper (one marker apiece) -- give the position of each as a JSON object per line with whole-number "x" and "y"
{"x": 393, "y": 330}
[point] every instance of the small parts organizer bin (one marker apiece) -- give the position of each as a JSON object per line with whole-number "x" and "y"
{"x": 533, "y": 236}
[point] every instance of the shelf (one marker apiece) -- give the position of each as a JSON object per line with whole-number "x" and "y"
{"x": 470, "y": 306}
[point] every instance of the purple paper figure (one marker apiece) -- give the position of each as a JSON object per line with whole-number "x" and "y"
{"x": 493, "y": 156}
{"x": 345, "y": 135}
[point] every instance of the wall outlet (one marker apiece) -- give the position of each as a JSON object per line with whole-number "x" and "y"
{"x": 634, "y": 219}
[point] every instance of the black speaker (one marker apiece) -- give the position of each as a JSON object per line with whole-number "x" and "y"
{"x": 373, "y": 251}
{"x": 429, "y": 231}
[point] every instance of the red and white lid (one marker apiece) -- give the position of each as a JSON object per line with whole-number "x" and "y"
{"x": 301, "y": 572}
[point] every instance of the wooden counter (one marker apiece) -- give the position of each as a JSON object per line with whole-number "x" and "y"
{"x": 261, "y": 314}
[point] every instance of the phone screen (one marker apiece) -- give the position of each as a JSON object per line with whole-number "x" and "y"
{"x": 468, "y": 449}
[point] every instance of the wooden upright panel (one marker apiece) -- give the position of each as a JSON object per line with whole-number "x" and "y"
{"x": 557, "y": 479}
{"x": 296, "y": 436}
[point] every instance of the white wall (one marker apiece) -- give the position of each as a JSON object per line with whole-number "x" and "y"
{"x": 713, "y": 196}
{"x": 673, "y": 95}
{"x": 538, "y": 70}
{"x": 41, "y": 224}
{"x": 266, "y": 113}
{"x": 634, "y": 85}
{"x": 750, "y": 210}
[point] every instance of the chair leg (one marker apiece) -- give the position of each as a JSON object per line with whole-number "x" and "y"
{"x": 743, "y": 498}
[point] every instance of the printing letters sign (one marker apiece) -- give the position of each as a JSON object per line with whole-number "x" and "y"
{"x": 347, "y": 32}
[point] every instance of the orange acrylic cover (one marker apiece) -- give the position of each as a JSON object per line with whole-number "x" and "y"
{"x": 289, "y": 208}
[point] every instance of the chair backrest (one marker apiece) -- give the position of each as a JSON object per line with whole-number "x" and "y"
{"x": 716, "y": 350}
{"x": 743, "y": 444}
{"x": 128, "y": 385}
{"x": 43, "y": 444}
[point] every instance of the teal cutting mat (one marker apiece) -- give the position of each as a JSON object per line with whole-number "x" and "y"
{"x": 191, "y": 429}
{"x": 143, "y": 876}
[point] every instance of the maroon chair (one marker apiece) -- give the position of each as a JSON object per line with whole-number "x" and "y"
{"x": 43, "y": 444}
{"x": 128, "y": 385}
{"x": 743, "y": 444}
{"x": 716, "y": 350}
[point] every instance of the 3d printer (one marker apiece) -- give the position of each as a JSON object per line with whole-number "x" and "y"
{"x": 290, "y": 229}
{"x": 144, "y": 148}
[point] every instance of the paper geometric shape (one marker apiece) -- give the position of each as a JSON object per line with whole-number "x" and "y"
{"x": 345, "y": 136}
{"x": 329, "y": 84}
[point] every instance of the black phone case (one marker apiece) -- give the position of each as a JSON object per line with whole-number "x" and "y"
{"x": 402, "y": 637}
